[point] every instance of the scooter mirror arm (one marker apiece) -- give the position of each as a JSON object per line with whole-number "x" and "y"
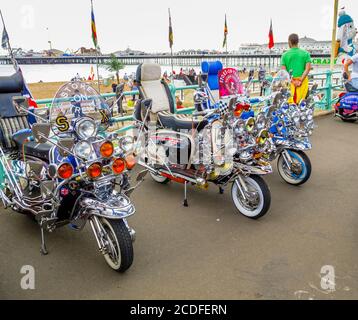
{"x": 32, "y": 113}
{"x": 202, "y": 113}
{"x": 117, "y": 100}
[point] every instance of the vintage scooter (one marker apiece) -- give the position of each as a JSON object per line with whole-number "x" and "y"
{"x": 196, "y": 150}
{"x": 64, "y": 170}
{"x": 347, "y": 106}
{"x": 290, "y": 126}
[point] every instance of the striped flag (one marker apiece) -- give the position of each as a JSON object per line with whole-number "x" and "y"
{"x": 5, "y": 39}
{"x": 94, "y": 29}
{"x": 226, "y": 31}
{"x": 26, "y": 90}
{"x": 271, "y": 39}
{"x": 171, "y": 34}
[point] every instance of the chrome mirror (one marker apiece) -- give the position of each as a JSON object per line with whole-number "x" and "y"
{"x": 47, "y": 188}
{"x": 34, "y": 168}
{"x": 41, "y": 132}
{"x": 21, "y": 105}
{"x": 232, "y": 104}
{"x": 142, "y": 175}
{"x": 65, "y": 146}
{"x": 277, "y": 99}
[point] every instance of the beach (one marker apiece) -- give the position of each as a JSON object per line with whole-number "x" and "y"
{"x": 47, "y": 90}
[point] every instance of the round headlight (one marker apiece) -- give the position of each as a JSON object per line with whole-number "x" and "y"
{"x": 240, "y": 129}
{"x": 263, "y": 137}
{"x": 303, "y": 106}
{"x": 285, "y": 107}
{"x": 83, "y": 150}
{"x": 245, "y": 156}
{"x": 250, "y": 125}
{"x": 280, "y": 126}
{"x": 127, "y": 144}
{"x": 260, "y": 122}
{"x": 296, "y": 117}
{"x": 86, "y": 128}
{"x": 310, "y": 115}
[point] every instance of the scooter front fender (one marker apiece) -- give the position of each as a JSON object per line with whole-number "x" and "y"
{"x": 301, "y": 146}
{"x": 255, "y": 170}
{"x": 117, "y": 207}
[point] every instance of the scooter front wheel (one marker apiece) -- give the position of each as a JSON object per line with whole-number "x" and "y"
{"x": 252, "y": 200}
{"x": 119, "y": 245}
{"x": 297, "y": 173}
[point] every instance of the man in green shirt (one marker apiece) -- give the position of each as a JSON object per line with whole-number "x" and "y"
{"x": 297, "y": 62}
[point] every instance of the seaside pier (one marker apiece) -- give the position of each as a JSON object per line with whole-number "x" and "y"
{"x": 165, "y": 60}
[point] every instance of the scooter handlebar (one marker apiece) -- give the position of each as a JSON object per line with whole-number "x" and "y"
{"x": 203, "y": 113}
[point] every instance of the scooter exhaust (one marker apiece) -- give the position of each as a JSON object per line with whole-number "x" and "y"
{"x": 348, "y": 117}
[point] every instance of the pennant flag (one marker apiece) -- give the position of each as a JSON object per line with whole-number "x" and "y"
{"x": 271, "y": 39}
{"x": 171, "y": 34}
{"x": 225, "y": 33}
{"x": 94, "y": 29}
{"x": 5, "y": 39}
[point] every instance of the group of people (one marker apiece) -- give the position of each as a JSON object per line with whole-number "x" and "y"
{"x": 191, "y": 74}
{"x": 296, "y": 61}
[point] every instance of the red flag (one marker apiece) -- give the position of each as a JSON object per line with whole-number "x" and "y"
{"x": 271, "y": 40}
{"x": 32, "y": 103}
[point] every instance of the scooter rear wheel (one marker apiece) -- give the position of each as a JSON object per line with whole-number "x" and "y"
{"x": 159, "y": 179}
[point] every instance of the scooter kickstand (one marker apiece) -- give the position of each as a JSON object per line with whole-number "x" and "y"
{"x": 186, "y": 204}
{"x": 43, "y": 250}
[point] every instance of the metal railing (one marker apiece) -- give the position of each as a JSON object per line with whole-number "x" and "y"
{"x": 328, "y": 85}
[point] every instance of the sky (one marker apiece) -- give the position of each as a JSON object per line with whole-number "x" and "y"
{"x": 143, "y": 24}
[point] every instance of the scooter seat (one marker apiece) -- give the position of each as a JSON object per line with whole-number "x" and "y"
{"x": 350, "y": 88}
{"x": 180, "y": 122}
{"x": 32, "y": 148}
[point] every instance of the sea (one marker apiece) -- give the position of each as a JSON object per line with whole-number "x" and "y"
{"x": 66, "y": 72}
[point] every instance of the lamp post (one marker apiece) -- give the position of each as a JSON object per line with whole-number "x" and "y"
{"x": 334, "y": 33}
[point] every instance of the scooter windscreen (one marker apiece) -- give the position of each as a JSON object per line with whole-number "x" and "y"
{"x": 78, "y": 108}
{"x": 280, "y": 82}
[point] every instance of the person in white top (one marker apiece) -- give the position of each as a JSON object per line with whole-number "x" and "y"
{"x": 352, "y": 77}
